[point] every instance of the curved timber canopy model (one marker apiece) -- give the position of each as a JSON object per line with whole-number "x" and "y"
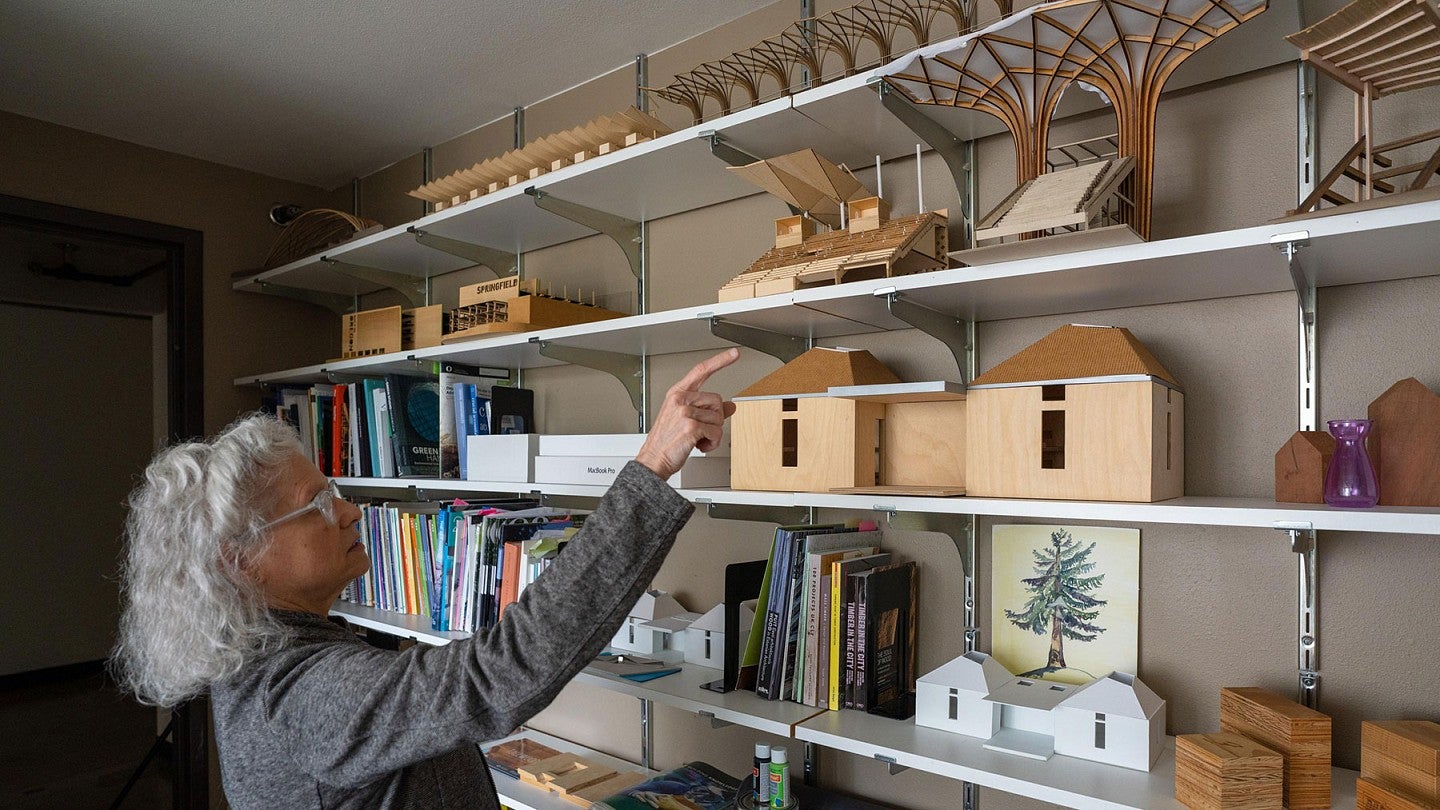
{"x": 1017, "y": 70}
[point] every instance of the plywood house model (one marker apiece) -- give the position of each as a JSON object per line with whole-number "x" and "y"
{"x": 1116, "y": 719}
{"x": 839, "y": 419}
{"x": 1085, "y": 413}
{"x": 633, "y": 636}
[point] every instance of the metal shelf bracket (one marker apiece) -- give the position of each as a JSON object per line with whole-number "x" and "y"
{"x": 957, "y": 334}
{"x": 629, "y": 369}
{"x": 958, "y": 154}
{"x": 647, "y": 734}
{"x": 779, "y": 515}
{"x": 1290, "y": 244}
{"x": 784, "y": 347}
{"x": 894, "y": 766}
{"x": 727, "y": 153}
{"x": 498, "y": 262}
{"x": 416, "y": 291}
{"x": 335, "y": 302}
{"x": 715, "y": 722}
{"x": 1303, "y": 544}
{"x": 961, "y": 531}
{"x": 627, "y": 233}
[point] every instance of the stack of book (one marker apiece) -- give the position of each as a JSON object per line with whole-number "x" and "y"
{"x": 460, "y": 564}
{"x": 836, "y": 628}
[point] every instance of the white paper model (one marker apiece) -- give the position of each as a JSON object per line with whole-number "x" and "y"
{"x": 1116, "y": 719}
{"x": 653, "y": 604}
{"x": 704, "y": 642}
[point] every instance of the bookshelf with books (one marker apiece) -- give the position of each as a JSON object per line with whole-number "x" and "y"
{"x": 677, "y": 174}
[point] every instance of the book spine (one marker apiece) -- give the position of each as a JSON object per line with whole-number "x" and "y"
{"x": 765, "y": 684}
{"x": 822, "y": 647}
{"x": 397, "y": 439}
{"x": 463, "y": 425}
{"x": 339, "y": 430}
{"x": 848, "y": 698}
{"x": 837, "y": 610}
{"x": 862, "y": 643}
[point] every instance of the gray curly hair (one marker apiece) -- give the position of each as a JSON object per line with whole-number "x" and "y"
{"x": 191, "y": 616}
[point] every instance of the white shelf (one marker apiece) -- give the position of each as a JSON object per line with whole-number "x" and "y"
{"x": 519, "y": 796}
{"x": 1256, "y": 513}
{"x": 683, "y": 691}
{"x": 405, "y": 625}
{"x": 1061, "y": 780}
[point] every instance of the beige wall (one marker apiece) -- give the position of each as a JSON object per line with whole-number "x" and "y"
{"x": 64, "y": 166}
{"x": 1218, "y": 605}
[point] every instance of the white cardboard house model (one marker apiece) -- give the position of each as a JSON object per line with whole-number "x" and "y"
{"x": 634, "y": 636}
{"x": 704, "y": 642}
{"x": 1116, "y": 719}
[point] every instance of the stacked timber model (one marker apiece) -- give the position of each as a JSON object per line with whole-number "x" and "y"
{"x": 865, "y": 243}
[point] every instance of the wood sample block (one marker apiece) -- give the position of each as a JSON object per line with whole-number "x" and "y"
{"x": 1227, "y": 772}
{"x": 1300, "y": 467}
{"x": 370, "y": 332}
{"x": 1372, "y": 795}
{"x": 422, "y": 327}
{"x": 1300, "y": 734}
{"x": 1404, "y": 755}
{"x": 1405, "y": 444}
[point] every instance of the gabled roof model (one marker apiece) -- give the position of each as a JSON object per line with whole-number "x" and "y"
{"x": 974, "y": 672}
{"x": 1077, "y": 352}
{"x": 655, "y": 604}
{"x": 815, "y": 371}
{"x": 1119, "y": 694}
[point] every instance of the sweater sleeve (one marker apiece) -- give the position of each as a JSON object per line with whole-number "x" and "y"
{"x": 351, "y": 713}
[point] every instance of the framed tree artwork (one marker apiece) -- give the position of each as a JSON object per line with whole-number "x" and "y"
{"x": 1065, "y": 601}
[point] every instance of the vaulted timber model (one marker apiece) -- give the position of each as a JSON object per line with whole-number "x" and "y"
{"x": 1018, "y": 68}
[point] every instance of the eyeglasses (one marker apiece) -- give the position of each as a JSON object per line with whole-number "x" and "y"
{"x": 323, "y": 502}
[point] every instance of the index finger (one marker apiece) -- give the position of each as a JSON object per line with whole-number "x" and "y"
{"x": 697, "y": 376}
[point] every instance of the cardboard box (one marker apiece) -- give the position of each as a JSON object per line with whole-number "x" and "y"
{"x": 501, "y": 458}
{"x": 602, "y": 471}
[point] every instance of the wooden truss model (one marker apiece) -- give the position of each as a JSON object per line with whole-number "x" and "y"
{"x": 1376, "y": 48}
{"x": 775, "y": 67}
{"x": 1017, "y": 70}
{"x": 512, "y": 305}
{"x": 1070, "y": 199}
{"x": 598, "y": 137}
{"x": 314, "y": 231}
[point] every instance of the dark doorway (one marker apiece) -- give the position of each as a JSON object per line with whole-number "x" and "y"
{"x": 103, "y": 313}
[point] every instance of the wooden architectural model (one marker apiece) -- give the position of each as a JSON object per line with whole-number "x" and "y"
{"x": 314, "y": 231}
{"x": 1085, "y": 413}
{"x": 1017, "y": 70}
{"x": 867, "y": 243}
{"x": 576, "y": 779}
{"x": 633, "y": 636}
{"x": 1071, "y": 199}
{"x": 1116, "y": 719}
{"x": 1405, "y": 444}
{"x": 511, "y": 305}
{"x": 390, "y": 329}
{"x": 1301, "y": 735}
{"x": 1402, "y": 758}
{"x": 1227, "y": 771}
{"x": 839, "y": 419}
{"x": 550, "y": 153}
{"x": 819, "y": 49}
{"x": 1300, "y": 467}
{"x": 1376, "y": 48}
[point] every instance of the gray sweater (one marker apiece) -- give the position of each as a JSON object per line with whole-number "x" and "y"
{"x": 330, "y": 721}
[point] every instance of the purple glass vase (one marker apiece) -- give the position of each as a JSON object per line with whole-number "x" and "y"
{"x": 1350, "y": 478}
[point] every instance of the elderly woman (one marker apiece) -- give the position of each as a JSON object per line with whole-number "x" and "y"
{"x": 237, "y": 548}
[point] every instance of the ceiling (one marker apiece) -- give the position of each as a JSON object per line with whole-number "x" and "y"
{"x": 318, "y": 91}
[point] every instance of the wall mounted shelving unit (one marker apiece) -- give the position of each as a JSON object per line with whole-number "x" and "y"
{"x": 848, "y": 121}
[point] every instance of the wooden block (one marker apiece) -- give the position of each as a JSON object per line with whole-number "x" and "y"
{"x": 735, "y": 292}
{"x": 582, "y": 156}
{"x": 1300, "y": 467}
{"x": 1405, "y": 444}
{"x": 599, "y": 791}
{"x": 605, "y": 148}
{"x": 1227, "y": 772}
{"x": 1300, "y": 734}
{"x": 426, "y": 326}
{"x": 369, "y": 332}
{"x": 559, "y": 163}
{"x": 535, "y": 772}
{"x": 1403, "y": 754}
{"x": 494, "y": 186}
{"x": 1372, "y": 795}
{"x": 582, "y": 774}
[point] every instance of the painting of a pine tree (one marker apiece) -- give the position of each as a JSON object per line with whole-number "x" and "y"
{"x": 1066, "y": 600}
{"x": 1060, "y": 600}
